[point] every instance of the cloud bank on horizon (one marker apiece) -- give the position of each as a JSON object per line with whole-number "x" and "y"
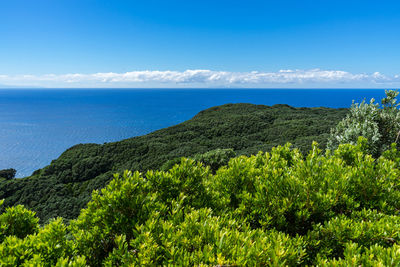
{"x": 314, "y": 78}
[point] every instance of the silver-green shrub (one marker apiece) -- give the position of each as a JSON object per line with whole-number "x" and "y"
{"x": 379, "y": 124}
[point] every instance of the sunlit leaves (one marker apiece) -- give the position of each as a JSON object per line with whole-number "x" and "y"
{"x": 337, "y": 208}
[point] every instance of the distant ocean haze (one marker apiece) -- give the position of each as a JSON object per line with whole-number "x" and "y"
{"x": 36, "y": 126}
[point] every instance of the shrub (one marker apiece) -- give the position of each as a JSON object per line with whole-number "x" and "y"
{"x": 48, "y": 247}
{"x": 196, "y": 237}
{"x": 355, "y": 255}
{"x": 17, "y": 221}
{"x": 337, "y": 208}
{"x": 125, "y": 204}
{"x": 380, "y": 125}
{"x": 366, "y": 228}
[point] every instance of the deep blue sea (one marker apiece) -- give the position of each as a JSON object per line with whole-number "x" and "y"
{"x": 36, "y": 126}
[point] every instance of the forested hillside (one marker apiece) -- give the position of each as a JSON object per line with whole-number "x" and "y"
{"x": 64, "y": 187}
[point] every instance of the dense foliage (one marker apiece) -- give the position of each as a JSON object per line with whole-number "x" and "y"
{"x": 338, "y": 208}
{"x": 379, "y": 124}
{"x": 8, "y": 174}
{"x": 64, "y": 187}
{"x": 213, "y": 159}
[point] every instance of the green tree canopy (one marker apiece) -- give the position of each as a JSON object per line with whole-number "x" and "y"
{"x": 8, "y": 173}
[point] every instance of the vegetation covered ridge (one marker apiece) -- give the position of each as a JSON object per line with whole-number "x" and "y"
{"x": 338, "y": 208}
{"x": 64, "y": 187}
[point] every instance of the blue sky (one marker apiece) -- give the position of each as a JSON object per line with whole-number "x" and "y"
{"x": 87, "y": 43}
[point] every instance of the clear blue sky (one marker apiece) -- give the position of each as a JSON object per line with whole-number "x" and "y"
{"x": 86, "y": 36}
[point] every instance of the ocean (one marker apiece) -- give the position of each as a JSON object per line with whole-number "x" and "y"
{"x": 36, "y": 126}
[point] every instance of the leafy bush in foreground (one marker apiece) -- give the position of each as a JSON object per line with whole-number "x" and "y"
{"x": 337, "y": 208}
{"x": 365, "y": 228}
{"x": 17, "y": 221}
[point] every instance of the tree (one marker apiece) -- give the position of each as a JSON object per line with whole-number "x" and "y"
{"x": 380, "y": 125}
{"x": 8, "y": 173}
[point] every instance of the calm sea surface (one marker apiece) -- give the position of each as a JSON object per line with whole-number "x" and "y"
{"x": 36, "y": 126}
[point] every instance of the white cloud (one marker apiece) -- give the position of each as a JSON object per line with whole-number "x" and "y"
{"x": 205, "y": 78}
